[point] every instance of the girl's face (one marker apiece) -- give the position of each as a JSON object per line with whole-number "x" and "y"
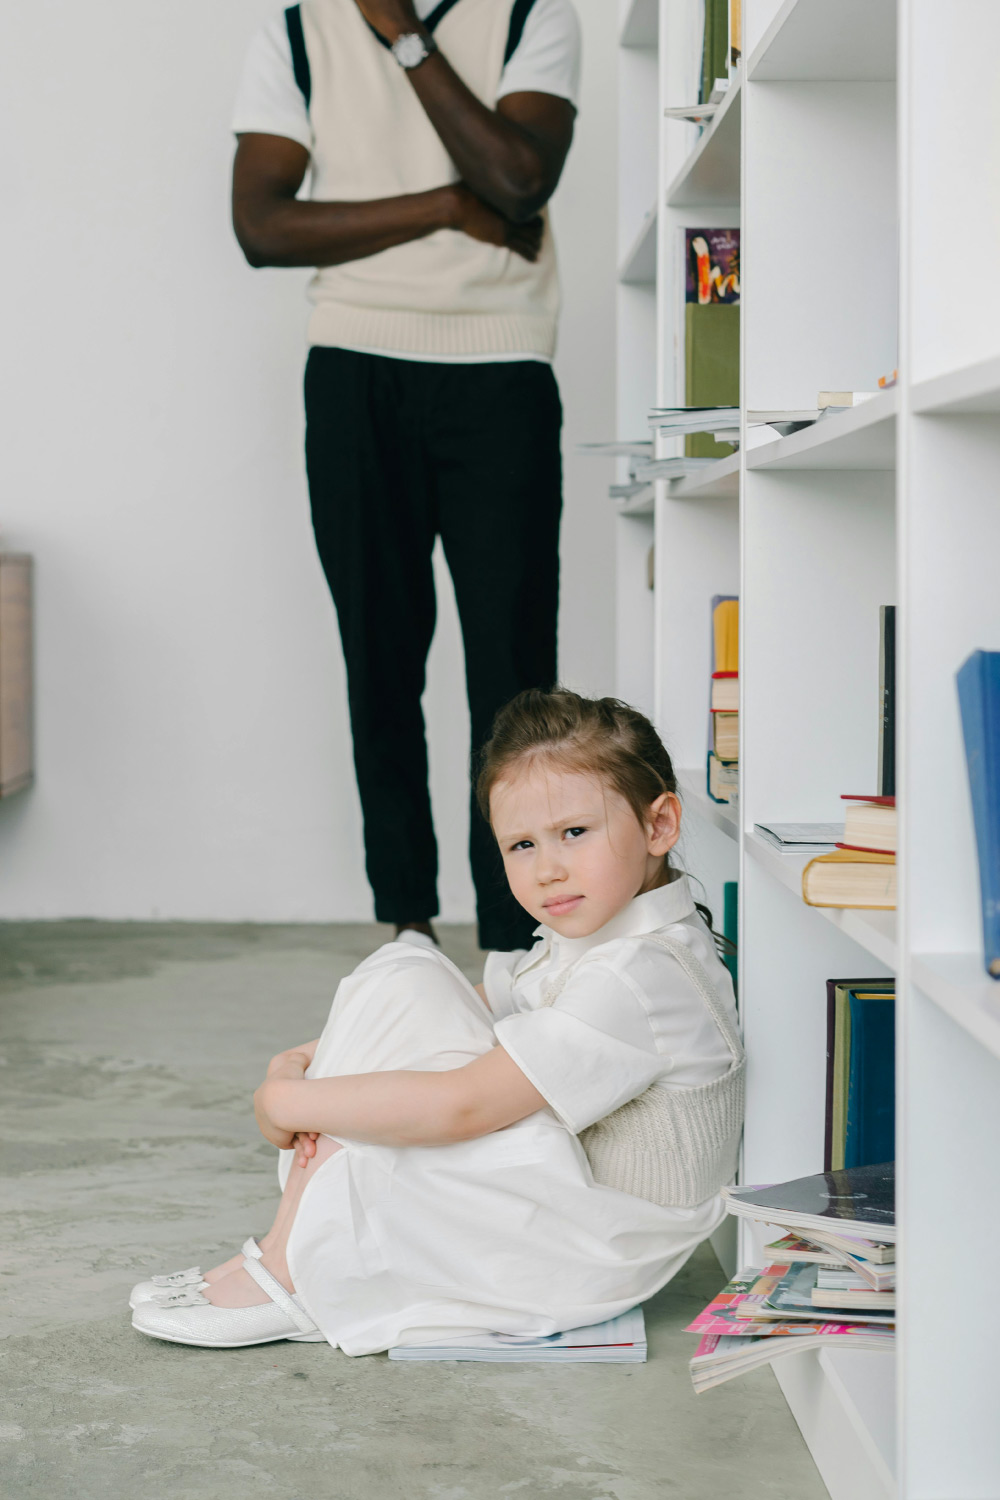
{"x": 574, "y": 852}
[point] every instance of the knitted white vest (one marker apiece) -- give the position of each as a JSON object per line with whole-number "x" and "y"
{"x": 447, "y": 293}
{"x": 674, "y": 1145}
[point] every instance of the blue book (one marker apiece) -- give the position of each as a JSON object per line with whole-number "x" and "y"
{"x": 871, "y": 1088}
{"x": 979, "y": 700}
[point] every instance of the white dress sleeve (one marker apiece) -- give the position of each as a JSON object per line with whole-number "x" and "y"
{"x": 590, "y": 1052}
{"x": 547, "y": 58}
{"x": 498, "y": 981}
{"x": 268, "y": 100}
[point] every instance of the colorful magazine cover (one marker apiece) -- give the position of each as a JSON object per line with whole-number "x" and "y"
{"x": 713, "y": 266}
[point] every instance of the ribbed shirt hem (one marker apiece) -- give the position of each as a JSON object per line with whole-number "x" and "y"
{"x": 336, "y": 324}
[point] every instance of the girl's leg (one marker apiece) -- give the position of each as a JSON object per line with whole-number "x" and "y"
{"x": 233, "y": 1287}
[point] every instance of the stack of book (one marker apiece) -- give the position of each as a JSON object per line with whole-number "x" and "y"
{"x": 724, "y": 732}
{"x": 861, "y": 871}
{"x": 830, "y": 1282}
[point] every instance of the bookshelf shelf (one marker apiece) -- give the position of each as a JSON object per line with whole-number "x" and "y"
{"x": 641, "y": 24}
{"x": 875, "y": 931}
{"x": 638, "y": 265}
{"x": 862, "y": 438}
{"x": 810, "y": 40}
{"x": 695, "y": 799}
{"x": 957, "y": 984}
{"x": 721, "y": 481}
{"x": 970, "y": 390}
{"x": 640, "y": 504}
{"x": 711, "y": 174}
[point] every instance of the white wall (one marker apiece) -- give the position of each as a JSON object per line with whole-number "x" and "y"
{"x": 193, "y": 749}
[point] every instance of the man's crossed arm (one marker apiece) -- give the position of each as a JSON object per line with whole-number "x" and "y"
{"x": 510, "y": 160}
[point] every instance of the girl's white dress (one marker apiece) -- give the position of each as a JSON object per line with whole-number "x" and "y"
{"x": 508, "y": 1233}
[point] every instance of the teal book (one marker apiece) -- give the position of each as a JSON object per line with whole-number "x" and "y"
{"x": 730, "y": 926}
{"x": 979, "y": 700}
{"x": 871, "y": 1087}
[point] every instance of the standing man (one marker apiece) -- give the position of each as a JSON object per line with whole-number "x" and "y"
{"x": 435, "y": 134}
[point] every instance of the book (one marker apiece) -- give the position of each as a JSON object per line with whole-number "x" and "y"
{"x": 887, "y": 700}
{"x": 676, "y": 421}
{"x": 17, "y": 756}
{"x": 649, "y": 469}
{"x": 715, "y": 46}
{"x": 723, "y": 780}
{"x": 857, "y": 1201}
{"x": 620, "y": 1340}
{"x": 720, "y": 1357}
{"x": 787, "y": 1293}
{"x": 725, "y": 736}
{"x": 979, "y": 701}
{"x": 869, "y": 824}
{"x": 873, "y": 1252}
{"x": 828, "y": 401}
{"x": 871, "y": 1093}
{"x": 851, "y": 878}
{"x": 725, "y": 633}
{"x": 838, "y": 1050}
{"x": 730, "y": 928}
{"x": 639, "y": 449}
{"x": 799, "y": 838}
{"x": 735, "y": 34}
{"x": 712, "y": 333}
{"x": 792, "y": 1249}
{"x": 726, "y": 692}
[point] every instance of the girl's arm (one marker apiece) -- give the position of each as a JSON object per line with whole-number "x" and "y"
{"x": 398, "y": 1109}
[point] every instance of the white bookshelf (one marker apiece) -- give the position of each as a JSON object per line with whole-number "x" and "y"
{"x": 862, "y": 163}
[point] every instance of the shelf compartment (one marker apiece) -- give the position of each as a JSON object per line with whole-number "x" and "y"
{"x": 844, "y": 1403}
{"x": 814, "y": 41}
{"x": 874, "y": 931}
{"x": 721, "y": 815}
{"x": 958, "y": 984}
{"x": 721, "y": 481}
{"x": 862, "y": 438}
{"x": 638, "y": 265}
{"x": 972, "y": 389}
{"x": 641, "y": 26}
{"x": 711, "y": 174}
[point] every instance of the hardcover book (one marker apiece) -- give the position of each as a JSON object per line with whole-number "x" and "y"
{"x": 979, "y": 699}
{"x": 711, "y": 328}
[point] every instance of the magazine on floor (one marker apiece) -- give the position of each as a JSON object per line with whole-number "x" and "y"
{"x": 620, "y": 1340}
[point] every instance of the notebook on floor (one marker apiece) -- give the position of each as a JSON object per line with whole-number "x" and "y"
{"x": 619, "y": 1341}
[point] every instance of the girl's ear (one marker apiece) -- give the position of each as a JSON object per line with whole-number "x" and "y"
{"x": 663, "y": 823}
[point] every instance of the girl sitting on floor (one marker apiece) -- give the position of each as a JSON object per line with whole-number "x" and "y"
{"x": 541, "y": 1152}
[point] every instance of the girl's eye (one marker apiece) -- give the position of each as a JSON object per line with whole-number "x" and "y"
{"x": 521, "y": 844}
{"x": 574, "y": 833}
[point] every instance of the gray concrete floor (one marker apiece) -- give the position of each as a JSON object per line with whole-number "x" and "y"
{"x": 129, "y": 1056}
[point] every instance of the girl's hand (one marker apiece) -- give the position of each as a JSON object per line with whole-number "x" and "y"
{"x": 283, "y": 1139}
{"x": 304, "y": 1146}
{"x": 294, "y": 1059}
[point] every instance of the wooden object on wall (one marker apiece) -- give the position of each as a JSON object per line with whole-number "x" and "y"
{"x": 17, "y": 768}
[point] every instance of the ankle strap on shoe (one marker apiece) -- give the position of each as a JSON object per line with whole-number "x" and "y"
{"x": 277, "y": 1293}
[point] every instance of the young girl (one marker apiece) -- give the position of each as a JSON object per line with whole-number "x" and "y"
{"x": 540, "y": 1154}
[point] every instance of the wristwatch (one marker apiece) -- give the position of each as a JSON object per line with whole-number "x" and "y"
{"x": 411, "y": 49}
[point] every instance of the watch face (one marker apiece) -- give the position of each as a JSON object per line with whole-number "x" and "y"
{"x": 409, "y": 50}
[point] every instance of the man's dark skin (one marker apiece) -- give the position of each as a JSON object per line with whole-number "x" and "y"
{"x": 509, "y": 160}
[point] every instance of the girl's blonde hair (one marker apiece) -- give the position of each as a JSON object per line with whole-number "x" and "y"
{"x": 601, "y": 737}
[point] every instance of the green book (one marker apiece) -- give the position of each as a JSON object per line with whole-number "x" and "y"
{"x": 711, "y": 329}
{"x": 715, "y": 51}
{"x": 730, "y": 924}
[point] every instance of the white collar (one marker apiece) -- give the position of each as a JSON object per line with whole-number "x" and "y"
{"x": 645, "y": 913}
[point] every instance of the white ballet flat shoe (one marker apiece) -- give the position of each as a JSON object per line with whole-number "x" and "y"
{"x": 185, "y": 1316}
{"x": 144, "y": 1290}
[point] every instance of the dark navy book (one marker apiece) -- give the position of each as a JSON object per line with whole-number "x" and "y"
{"x": 871, "y": 1089}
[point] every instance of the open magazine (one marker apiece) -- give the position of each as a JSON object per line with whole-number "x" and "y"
{"x": 620, "y": 1340}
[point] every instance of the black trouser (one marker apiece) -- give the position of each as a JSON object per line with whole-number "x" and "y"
{"x": 399, "y": 452}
